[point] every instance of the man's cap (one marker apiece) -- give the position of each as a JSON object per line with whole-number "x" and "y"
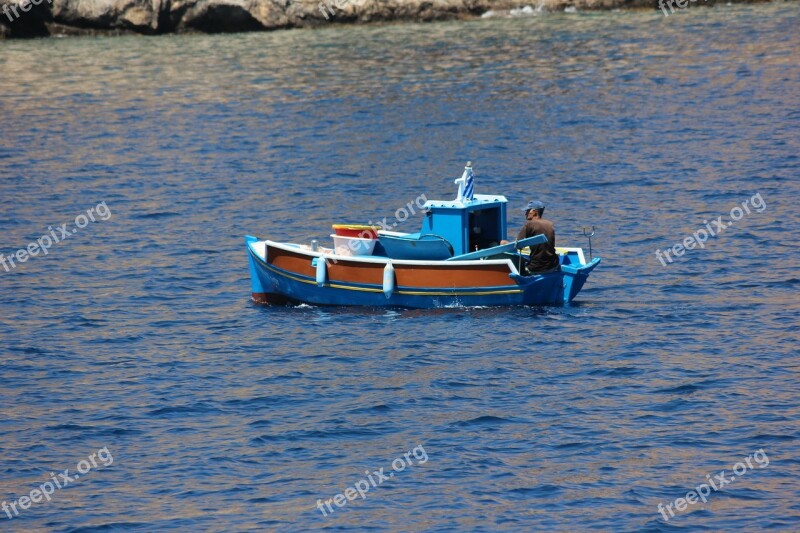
{"x": 533, "y": 204}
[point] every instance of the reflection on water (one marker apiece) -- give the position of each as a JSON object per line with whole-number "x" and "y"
{"x": 137, "y": 333}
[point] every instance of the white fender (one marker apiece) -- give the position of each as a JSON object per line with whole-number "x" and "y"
{"x": 322, "y": 271}
{"x": 388, "y": 280}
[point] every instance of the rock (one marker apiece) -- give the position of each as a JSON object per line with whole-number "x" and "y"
{"x": 214, "y": 16}
{"x": 16, "y": 22}
{"x": 141, "y": 16}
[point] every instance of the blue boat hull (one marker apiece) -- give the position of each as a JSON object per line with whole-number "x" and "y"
{"x": 273, "y": 284}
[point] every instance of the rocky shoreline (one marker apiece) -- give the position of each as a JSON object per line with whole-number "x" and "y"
{"x": 37, "y": 18}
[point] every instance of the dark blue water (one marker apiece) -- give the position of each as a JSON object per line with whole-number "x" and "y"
{"x": 135, "y": 336}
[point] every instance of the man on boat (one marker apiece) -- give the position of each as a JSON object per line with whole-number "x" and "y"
{"x": 543, "y": 256}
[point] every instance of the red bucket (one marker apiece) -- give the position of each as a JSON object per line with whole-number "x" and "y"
{"x": 356, "y": 230}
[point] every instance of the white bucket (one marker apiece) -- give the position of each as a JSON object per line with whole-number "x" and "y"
{"x": 353, "y": 245}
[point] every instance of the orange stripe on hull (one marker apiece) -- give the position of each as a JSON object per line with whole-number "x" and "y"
{"x": 293, "y": 262}
{"x": 408, "y": 276}
{"x": 349, "y": 272}
{"x": 452, "y": 276}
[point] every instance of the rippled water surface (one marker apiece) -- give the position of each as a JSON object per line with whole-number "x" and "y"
{"x": 137, "y": 334}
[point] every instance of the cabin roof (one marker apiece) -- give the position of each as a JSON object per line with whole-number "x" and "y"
{"x": 478, "y": 200}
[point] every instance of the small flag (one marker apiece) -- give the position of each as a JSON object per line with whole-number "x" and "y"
{"x": 469, "y": 187}
{"x": 466, "y": 184}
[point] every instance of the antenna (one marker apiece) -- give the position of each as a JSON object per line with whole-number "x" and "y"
{"x": 589, "y": 236}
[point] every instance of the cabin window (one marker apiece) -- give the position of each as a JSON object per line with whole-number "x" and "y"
{"x": 485, "y": 228}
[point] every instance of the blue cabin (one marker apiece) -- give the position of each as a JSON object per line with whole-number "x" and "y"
{"x": 452, "y": 228}
{"x": 467, "y": 225}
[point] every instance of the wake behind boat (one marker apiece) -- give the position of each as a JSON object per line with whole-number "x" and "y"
{"x": 454, "y": 260}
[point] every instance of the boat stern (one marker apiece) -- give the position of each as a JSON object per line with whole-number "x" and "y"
{"x": 558, "y": 287}
{"x": 574, "y": 278}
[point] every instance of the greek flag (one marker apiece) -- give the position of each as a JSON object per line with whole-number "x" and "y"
{"x": 469, "y": 183}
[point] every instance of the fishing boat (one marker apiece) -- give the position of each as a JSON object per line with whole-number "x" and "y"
{"x": 456, "y": 259}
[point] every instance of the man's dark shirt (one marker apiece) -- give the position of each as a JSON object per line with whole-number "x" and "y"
{"x": 543, "y": 256}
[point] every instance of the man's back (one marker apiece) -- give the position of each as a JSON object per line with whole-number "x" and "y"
{"x": 543, "y": 256}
